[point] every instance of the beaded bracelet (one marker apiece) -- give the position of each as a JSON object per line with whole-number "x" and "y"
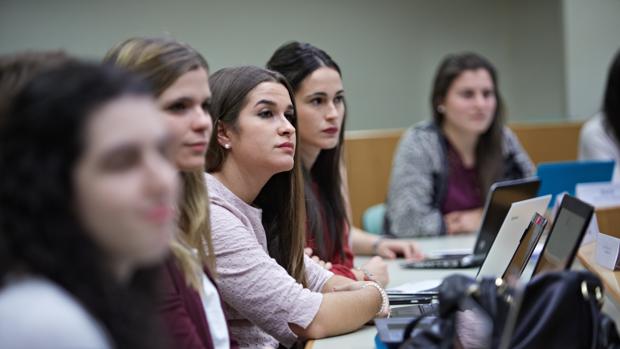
{"x": 385, "y": 302}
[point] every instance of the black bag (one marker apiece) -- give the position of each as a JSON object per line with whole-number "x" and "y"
{"x": 557, "y": 310}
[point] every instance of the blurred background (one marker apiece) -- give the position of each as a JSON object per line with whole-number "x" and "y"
{"x": 552, "y": 55}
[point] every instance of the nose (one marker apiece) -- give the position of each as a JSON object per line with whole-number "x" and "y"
{"x": 331, "y": 112}
{"x": 480, "y": 100}
{"x": 286, "y": 127}
{"x": 201, "y": 121}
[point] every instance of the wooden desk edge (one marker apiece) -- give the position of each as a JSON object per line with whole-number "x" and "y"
{"x": 586, "y": 257}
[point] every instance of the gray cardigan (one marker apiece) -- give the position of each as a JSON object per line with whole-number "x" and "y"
{"x": 419, "y": 179}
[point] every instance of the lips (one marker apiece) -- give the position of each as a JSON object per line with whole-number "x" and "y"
{"x": 289, "y": 146}
{"x": 197, "y": 146}
{"x": 331, "y": 130}
{"x": 160, "y": 214}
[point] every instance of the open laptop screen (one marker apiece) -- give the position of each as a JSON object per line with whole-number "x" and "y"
{"x": 501, "y": 196}
{"x": 565, "y": 235}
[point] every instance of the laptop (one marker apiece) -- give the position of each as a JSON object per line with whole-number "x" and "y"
{"x": 501, "y": 196}
{"x": 524, "y": 252}
{"x": 510, "y": 235}
{"x": 564, "y": 238}
{"x": 558, "y": 252}
{"x": 559, "y": 177}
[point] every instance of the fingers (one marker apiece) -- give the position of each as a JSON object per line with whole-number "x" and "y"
{"x": 328, "y": 266}
{"x": 308, "y": 251}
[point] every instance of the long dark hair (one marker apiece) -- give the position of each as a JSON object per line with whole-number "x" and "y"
{"x": 611, "y": 100}
{"x": 296, "y": 61}
{"x": 489, "y": 163}
{"x": 40, "y": 232}
{"x": 281, "y": 199}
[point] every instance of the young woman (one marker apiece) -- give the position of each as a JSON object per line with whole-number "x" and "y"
{"x": 273, "y": 292}
{"x": 599, "y": 136}
{"x": 191, "y": 305}
{"x": 443, "y": 168}
{"x": 319, "y": 96}
{"x": 87, "y": 195}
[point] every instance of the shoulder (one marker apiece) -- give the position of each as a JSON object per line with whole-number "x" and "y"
{"x": 420, "y": 138}
{"x": 35, "y": 311}
{"x": 593, "y": 127}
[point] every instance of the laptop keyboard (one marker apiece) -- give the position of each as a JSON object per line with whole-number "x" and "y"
{"x": 415, "y": 310}
{"x": 434, "y": 264}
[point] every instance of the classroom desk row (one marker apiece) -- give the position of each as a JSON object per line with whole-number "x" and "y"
{"x": 364, "y": 337}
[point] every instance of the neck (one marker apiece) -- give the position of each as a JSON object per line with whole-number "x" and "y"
{"x": 463, "y": 142}
{"x": 121, "y": 271}
{"x": 244, "y": 183}
{"x": 308, "y": 155}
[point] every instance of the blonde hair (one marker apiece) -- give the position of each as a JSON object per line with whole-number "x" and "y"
{"x": 161, "y": 61}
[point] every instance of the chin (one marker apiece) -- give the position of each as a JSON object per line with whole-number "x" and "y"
{"x": 190, "y": 165}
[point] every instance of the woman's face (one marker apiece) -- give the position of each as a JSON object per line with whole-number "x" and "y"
{"x": 126, "y": 185}
{"x": 320, "y": 109}
{"x": 263, "y": 138}
{"x": 186, "y": 104}
{"x": 470, "y": 103}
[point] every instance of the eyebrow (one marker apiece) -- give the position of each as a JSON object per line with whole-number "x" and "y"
{"x": 266, "y": 101}
{"x": 323, "y": 94}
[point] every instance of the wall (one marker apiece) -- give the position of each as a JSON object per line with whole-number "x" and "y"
{"x": 592, "y": 36}
{"x": 388, "y": 50}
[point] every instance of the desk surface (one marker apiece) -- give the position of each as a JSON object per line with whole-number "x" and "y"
{"x": 364, "y": 337}
{"x": 610, "y": 279}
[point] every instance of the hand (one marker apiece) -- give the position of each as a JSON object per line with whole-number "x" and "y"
{"x": 378, "y": 268}
{"x": 391, "y": 248}
{"x": 326, "y": 265}
{"x": 459, "y": 222}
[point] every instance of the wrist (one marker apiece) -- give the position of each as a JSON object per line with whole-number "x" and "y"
{"x": 375, "y": 246}
{"x": 384, "y": 310}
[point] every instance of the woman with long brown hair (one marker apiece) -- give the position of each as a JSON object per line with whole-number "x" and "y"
{"x": 272, "y": 290}
{"x": 443, "y": 168}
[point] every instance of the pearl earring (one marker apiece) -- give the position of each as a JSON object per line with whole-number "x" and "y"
{"x": 441, "y": 108}
{"x": 226, "y": 146}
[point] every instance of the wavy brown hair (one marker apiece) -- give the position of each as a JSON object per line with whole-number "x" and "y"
{"x": 489, "y": 164}
{"x": 281, "y": 199}
{"x": 161, "y": 61}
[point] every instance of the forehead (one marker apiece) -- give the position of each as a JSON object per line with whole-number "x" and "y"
{"x": 128, "y": 119}
{"x": 322, "y": 79}
{"x": 194, "y": 83}
{"x": 271, "y": 91}
{"x": 473, "y": 78}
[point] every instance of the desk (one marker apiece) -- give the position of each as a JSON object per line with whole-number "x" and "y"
{"x": 610, "y": 279}
{"x": 364, "y": 337}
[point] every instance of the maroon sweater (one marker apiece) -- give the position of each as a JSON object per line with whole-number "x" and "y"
{"x": 182, "y": 311}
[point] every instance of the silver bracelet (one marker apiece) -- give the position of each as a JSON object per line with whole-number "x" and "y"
{"x": 385, "y": 302}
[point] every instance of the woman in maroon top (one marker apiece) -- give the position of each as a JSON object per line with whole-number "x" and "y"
{"x": 190, "y": 303}
{"x": 319, "y": 98}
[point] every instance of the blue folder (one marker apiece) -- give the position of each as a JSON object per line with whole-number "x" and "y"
{"x": 558, "y": 177}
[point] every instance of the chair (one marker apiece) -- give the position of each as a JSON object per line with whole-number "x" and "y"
{"x": 373, "y": 218}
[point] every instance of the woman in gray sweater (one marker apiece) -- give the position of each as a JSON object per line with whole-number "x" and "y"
{"x": 443, "y": 168}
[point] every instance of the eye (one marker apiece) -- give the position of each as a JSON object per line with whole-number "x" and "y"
{"x": 121, "y": 160}
{"x": 316, "y": 101}
{"x": 467, "y": 94}
{"x": 266, "y": 113}
{"x": 177, "y": 107}
{"x": 488, "y": 93}
{"x": 338, "y": 99}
